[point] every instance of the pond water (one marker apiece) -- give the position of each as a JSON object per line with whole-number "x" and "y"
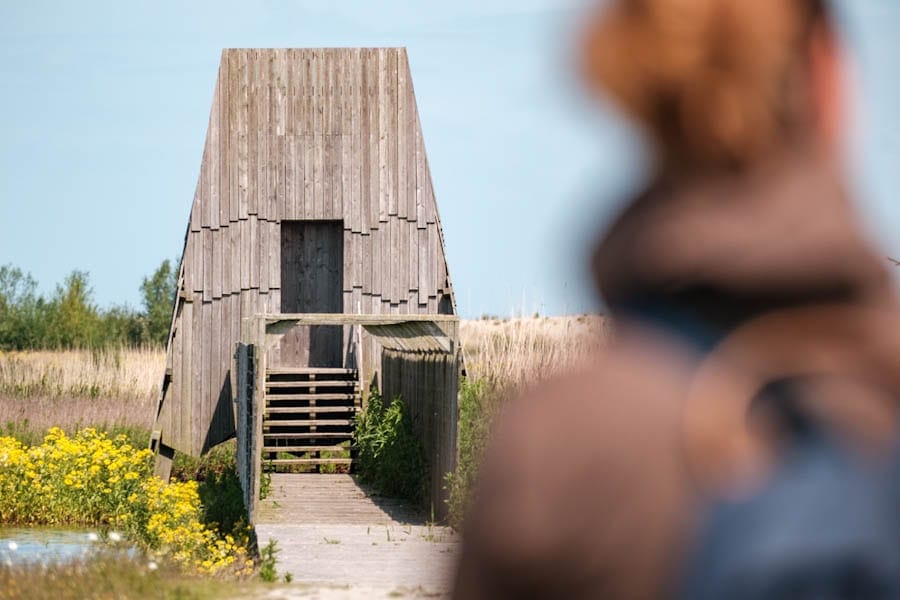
{"x": 48, "y": 545}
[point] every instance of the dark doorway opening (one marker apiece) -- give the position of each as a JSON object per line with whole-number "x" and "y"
{"x": 312, "y": 281}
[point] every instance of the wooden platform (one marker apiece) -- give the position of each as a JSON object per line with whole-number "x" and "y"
{"x": 333, "y": 532}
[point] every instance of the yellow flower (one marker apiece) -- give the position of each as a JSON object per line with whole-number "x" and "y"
{"x": 69, "y": 476}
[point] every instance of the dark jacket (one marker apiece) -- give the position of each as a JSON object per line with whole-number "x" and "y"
{"x": 589, "y": 489}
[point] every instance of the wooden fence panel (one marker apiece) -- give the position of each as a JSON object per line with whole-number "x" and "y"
{"x": 428, "y": 383}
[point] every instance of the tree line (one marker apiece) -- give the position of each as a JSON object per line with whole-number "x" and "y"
{"x": 69, "y": 317}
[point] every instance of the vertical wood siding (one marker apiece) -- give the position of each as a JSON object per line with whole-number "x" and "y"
{"x": 294, "y": 134}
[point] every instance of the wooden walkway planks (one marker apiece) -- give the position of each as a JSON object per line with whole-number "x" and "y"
{"x": 314, "y": 498}
{"x": 332, "y": 532}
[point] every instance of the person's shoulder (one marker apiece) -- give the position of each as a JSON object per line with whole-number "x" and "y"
{"x": 572, "y": 445}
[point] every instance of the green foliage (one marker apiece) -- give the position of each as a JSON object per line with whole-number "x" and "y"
{"x": 389, "y": 455}
{"x": 70, "y": 318}
{"x": 345, "y": 453}
{"x": 74, "y": 319}
{"x": 21, "y": 310}
{"x": 478, "y": 403}
{"x": 158, "y": 292}
{"x": 219, "y": 486}
{"x": 23, "y": 432}
{"x": 121, "y": 326}
{"x": 267, "y": 562}
{"x": 265, "y": 479}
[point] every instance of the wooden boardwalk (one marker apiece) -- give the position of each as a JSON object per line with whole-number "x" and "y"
{"x": 333, "y": 533}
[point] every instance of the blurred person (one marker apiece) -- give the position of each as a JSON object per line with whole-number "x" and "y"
{"x": 738, "y": 437}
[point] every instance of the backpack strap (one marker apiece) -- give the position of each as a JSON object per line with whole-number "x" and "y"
{"x": 722, "y": 453}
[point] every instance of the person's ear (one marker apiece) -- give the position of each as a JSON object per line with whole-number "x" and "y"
{"x": 827, "y": 79}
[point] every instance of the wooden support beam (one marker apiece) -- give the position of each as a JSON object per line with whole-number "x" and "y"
{"x": 164, "y": 457}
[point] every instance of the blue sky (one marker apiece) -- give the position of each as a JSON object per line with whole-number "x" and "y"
{"x": 105, "y": 105}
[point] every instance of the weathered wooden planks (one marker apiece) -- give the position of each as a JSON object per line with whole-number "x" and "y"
{"x": 428, "y": 384}
{"x": 299, "y": 134}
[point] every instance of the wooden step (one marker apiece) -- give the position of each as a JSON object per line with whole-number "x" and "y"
{"x": 311, "y": 397}
{"x": 306, "y": 449}
{"x": 272, "y": 410}
{"x": 311, "y": 371}
{"x": 313, "y": 383}
{"x": 307, "y": 423}
{"x": 309, "y": 461}
{"x": 308, "y": 435}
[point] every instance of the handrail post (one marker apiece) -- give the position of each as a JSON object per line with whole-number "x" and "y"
{"x": 259, "y": 401}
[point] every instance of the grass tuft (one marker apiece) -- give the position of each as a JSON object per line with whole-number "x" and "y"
{"x": 111, "y": 575}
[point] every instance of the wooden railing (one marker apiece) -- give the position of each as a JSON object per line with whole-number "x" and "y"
{"x": 245, "y": 423}
{"x": 437, "y": 334}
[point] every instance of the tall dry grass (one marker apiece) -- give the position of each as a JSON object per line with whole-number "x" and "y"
{"x": 80, "y": 387}
{"x": 502, "y": 357}
{"x": 514, "y": 353}
{"x": 120, "y": 386}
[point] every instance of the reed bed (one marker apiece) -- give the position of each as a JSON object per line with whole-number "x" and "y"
{"x": 503, "y": 356}
{"x": 75, "y": 388}
{"x": 119, "y": 387}
{"x": 516, "y": 353}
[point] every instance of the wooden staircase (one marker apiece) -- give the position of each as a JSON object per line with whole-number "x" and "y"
{"x": 308, "y": 421}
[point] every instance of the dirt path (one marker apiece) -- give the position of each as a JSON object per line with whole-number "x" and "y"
{"x": 338, "y": 541}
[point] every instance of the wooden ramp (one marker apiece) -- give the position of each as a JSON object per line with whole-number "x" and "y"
{"x": 333, "y": 533}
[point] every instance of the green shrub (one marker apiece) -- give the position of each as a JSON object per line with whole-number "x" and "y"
{"x": 478, "y": 404}
{"x": 70, "y": 319}
{"x": 158, "y": 294}
{"x": 22, "y": 431}
{"x": 219, "y": 486}
{"x": 389, "y": 455}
